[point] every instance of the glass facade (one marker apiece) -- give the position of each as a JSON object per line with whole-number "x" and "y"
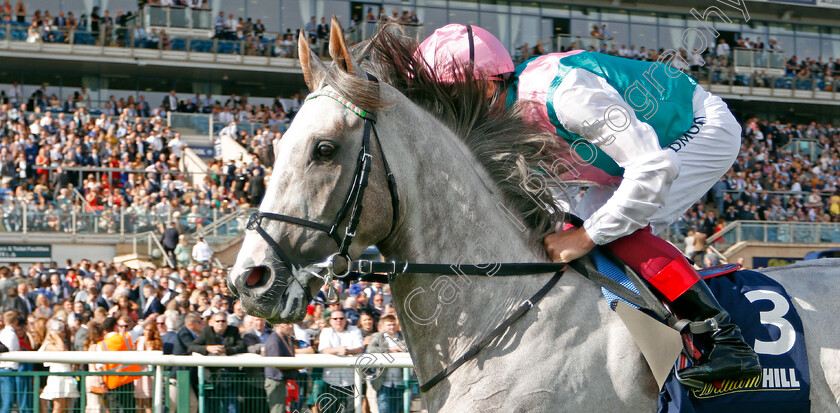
{"x": 514, "y": 22}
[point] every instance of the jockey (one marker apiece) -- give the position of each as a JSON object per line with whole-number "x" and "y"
{"x": 652, "y": 140}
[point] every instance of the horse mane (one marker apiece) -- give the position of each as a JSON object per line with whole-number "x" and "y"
{"x": 509, "y": 148}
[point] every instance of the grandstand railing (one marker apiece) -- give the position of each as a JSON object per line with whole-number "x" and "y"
{"x": 235, "y": 381}
{"x": 752, "y": 60}
{"x": 176, "y": 16}
{"x": 775, "y": 232}
{"x": 24, "y": 217}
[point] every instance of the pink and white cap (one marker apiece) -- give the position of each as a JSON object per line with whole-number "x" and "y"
{"x": 465, "y": 44}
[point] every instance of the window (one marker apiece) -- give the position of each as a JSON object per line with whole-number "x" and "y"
{"x": 525, "y": 7}
{"x": 555, "y": 10}
{"x": 498, "y": 24}
{"x": 524, "y": 29}
{"x": 293, "y": 16}
{"x": 643, "y": 35}
{"x": 432, "y": 18}
{"x": 464, "y": 4}
{"x": 463, "y": 16}
{"x": 266, "y": 11}
{"x": 500, "y": 6}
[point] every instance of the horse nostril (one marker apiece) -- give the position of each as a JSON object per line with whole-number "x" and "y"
{"x": 257, "y": 277}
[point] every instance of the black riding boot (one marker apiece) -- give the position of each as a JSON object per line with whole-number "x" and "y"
{"x": 727, "y": 355}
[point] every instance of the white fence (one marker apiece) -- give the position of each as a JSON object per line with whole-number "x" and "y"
{"x": 159, "y": 360}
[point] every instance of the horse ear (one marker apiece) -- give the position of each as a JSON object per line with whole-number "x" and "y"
{"x": 313, "y": 68}
{"x": 338, "y": 48}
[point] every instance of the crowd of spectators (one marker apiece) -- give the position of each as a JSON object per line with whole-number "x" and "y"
{"x": 44, "y": 145}
{"x": 771, "y": 181}
{"x": 87, "y": 306}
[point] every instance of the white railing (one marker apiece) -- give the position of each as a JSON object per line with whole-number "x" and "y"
{"x": 159, "y": 360}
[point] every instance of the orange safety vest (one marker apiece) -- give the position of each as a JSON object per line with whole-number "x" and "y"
{"x": 118, "y": 342}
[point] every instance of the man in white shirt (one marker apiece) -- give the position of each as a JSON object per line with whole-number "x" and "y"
{"x": 176, "y": 145}
{"x": 722, "y": 48}
{"x": 202, "y": 253}
{"x": 15, "y": 94}
{"x": 340, "y": 339}
{"x": 9, "y": 339}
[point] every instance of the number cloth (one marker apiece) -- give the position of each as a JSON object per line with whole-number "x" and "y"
{"x": 771, "y": 325}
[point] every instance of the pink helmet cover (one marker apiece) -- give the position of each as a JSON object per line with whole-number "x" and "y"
{"x": 451, "y": 43}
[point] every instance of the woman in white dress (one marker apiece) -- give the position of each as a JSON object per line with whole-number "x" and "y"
{"x": 60, "y": 389}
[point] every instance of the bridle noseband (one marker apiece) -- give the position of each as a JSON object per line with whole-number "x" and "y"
{"x": 352, "y": 202}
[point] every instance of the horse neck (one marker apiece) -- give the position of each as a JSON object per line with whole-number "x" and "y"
{"x": 450, "y": 207}
{"x": 451, "y": 213}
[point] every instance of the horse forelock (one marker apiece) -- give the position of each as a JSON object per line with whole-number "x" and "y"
{"x": 511, "y": 149}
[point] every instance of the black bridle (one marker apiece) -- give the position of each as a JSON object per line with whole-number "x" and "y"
{"x": 372, "y": 270}
{"x": 352, "y": 201}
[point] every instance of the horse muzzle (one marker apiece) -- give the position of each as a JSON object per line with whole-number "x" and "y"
{"x": 270, "y": 292}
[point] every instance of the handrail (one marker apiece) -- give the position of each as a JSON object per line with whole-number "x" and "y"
{"x": 729, "y": 227}
{"x": 82, "y": 197}
{"x": 152, "y": 235}
{"x": 213, "y": 226}
{"x": 157, "y": 358}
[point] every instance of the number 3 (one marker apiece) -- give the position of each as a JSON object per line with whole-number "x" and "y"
{"x": 774, "y": 317}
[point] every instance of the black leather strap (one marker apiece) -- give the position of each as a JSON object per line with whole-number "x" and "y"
{"x": 472, "y": 44}
{"x": 501, "y": 328}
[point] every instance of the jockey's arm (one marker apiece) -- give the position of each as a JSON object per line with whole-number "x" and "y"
{"x": 581, "y": 102}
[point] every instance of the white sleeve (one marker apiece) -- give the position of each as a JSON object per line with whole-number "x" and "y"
{"x": 587, "y": 105}
{"x": 358, "y": 341}
{"x": 324, "y": 339}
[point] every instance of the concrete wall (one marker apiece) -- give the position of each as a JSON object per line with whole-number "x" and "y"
{"x": 749, "y": 250}
{"x": 231, "y": 149}
{"x": 75, "y": 252}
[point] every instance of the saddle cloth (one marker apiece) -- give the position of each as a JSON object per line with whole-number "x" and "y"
{"x": 769, "y": 323}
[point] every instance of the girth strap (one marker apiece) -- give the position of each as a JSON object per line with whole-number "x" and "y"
{"x": 523, "y": 308}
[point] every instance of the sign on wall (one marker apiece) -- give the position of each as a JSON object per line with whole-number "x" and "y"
{"x": 25, "y": 252}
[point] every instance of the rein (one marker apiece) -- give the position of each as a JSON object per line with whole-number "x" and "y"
{"x": 387, "y": 272}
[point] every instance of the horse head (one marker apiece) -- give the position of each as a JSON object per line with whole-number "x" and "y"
{"x": 313, "y": 192}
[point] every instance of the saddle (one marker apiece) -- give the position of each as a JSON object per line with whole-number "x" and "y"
{"x": 750, "y": 298}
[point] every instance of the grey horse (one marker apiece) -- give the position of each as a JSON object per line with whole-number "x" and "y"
{"x": 461, "y": 200}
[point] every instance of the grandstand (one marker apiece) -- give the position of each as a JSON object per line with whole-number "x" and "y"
{"x": 120, "y": 117}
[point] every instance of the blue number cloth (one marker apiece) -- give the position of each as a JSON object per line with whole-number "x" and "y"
{"x": 771, "y": 325}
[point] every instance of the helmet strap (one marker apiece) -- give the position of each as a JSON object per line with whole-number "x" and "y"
{"x": 472, "y": 43}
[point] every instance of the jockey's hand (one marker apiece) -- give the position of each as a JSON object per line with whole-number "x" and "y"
{"x": 566, "y": 246}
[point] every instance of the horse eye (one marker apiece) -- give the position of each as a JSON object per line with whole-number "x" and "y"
{"x": 325, "y": 150}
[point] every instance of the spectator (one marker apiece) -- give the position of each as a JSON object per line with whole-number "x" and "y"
{"x": 143, "y": 386}
{"x": 220, "y": 339}
{"x": 94, "y": 385}
{"x": 279, "y": 344}
{"x": 722, "y": 49}
{"x": 256, "y": 337}
{"x": 388, "y": 383}
{"x": 366, "y": 325}
{"x": 15, "y": 302}
{"x": 153, "y": 304}
{"x": 119, "y": 337}
{"x": 339, "y": 339}
{"x": 193, "y": 325}
{"x": 169, "y": 240}
{"x": 9, "y": 338}
{"x": 6, "y": 282}
{"x": 60, "y": 389}
{"x": 235, "y": 319}
{"x": 23, "y": 384}
{"x": 202, "y": 254}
